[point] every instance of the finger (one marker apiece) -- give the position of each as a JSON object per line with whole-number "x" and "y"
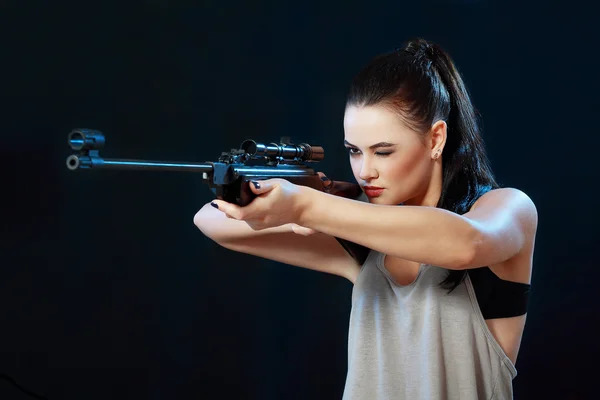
{"x": 301, "y": 230}
{"x": 327, "y": 183}
{"x": 231, "y": 210}
{"x": 263, "y": 186}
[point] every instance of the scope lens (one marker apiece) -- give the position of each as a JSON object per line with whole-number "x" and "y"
{"x": 76, "y": 140}
{"x": 249, "y": 146}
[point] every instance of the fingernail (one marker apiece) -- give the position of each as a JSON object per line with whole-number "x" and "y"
{"x": 256, "y": 184}
{"x": 215, "y": 205}
{"x": 325, "y": 179}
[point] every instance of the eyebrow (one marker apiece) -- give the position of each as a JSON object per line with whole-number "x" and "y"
{"x": 374, "y": 146}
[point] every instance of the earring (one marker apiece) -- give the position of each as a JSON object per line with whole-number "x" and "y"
{"x": 436, "y": 155}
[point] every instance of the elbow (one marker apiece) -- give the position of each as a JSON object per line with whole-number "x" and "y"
{"x": 198, "y": 218}
{"x": 201, "y": 221}
{"x": 212, "y": 224}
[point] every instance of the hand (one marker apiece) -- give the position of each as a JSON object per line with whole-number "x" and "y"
{"x": 278, "y": 202}
{"x": 339, "y": 188}
{"x": 342, "y": 189}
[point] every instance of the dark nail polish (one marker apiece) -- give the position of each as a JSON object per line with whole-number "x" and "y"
{"x": 325, "y": 179}
{"x": 256, "y": 184}
{"x": 214, "y": 205}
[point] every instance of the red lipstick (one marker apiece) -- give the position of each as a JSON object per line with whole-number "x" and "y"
{"x": 373, "y": 191}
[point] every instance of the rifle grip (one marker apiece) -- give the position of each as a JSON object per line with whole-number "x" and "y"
{"x": 246, "y": 194}
{"x": 238, "y": 192}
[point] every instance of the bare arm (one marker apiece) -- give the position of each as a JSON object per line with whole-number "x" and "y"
{"x": 318, "y": 251}
{"x": 494, "y": 230}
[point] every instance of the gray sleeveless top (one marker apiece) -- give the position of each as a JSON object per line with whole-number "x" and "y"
{"x": 418, "y": 342}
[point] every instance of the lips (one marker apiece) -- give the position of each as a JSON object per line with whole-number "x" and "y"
{"x": 373, "y": 191}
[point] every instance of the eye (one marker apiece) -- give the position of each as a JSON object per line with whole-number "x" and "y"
{"x": 354, "y": 151}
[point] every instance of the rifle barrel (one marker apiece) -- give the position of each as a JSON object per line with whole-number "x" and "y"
{"x": 75, "y": 162}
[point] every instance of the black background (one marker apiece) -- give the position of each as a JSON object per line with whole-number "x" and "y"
{"x": 109, "y": 291}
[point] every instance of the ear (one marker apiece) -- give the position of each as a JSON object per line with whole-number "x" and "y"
{"x": 437, "y": 138}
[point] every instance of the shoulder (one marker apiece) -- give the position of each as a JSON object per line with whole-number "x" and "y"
{"x": 505, "y": 223}
{"x": 509, "y": 200}
{"x": 506, "y": 210}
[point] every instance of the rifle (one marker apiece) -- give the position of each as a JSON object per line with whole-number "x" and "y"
{"x": 229, "y": 177}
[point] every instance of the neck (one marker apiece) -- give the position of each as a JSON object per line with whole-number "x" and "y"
{"x": 432, "y": 192}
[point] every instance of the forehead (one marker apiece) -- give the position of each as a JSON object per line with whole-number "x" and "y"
{"x": 374, "y": 124}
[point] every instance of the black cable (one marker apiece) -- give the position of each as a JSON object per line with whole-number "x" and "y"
{"x": 21, "y": 388}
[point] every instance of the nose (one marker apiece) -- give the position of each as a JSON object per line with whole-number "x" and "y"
{"x": 367, "y": 170}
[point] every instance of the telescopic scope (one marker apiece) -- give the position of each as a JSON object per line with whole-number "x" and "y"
{"x": 303, "y": 151}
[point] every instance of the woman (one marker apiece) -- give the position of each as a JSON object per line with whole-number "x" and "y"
{"x": 439, "y": 306}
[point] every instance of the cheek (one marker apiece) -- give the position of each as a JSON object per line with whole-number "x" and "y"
{"x": 399, "y": 168}
{"x": 407, "y": 168}
{"x": 410, "y": 170}
{"x": 389, "y": 169}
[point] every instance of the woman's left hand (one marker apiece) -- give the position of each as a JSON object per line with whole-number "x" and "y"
{"x": 278, "y": 202}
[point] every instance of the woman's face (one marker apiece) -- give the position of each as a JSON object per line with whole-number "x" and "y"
{"x": 386, "y": 154}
